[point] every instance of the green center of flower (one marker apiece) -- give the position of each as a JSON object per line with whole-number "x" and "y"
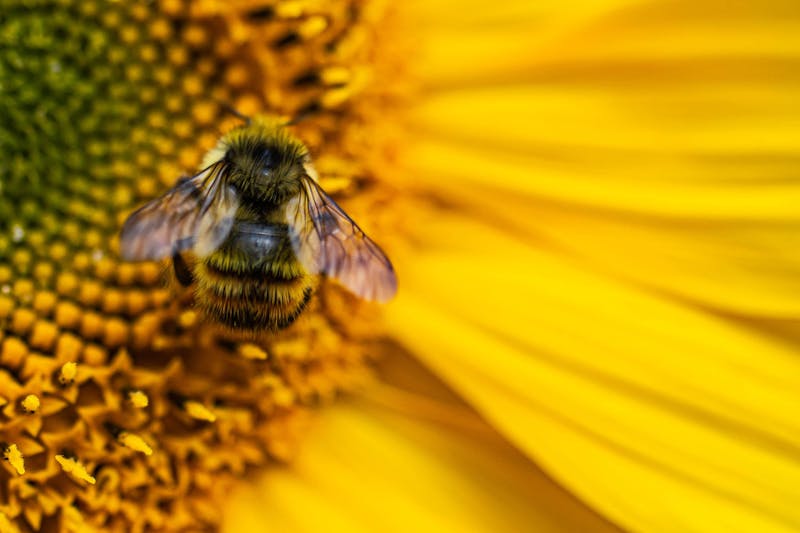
{"x": 90, "y": 102}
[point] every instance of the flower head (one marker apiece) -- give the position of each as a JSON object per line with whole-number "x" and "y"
{"x": 123, "y": 411}
{"x": 592, "y": 208}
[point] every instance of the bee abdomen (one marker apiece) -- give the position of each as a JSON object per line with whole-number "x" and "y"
{"x": 252, "y": 299}
{"x": 249, "y": 315}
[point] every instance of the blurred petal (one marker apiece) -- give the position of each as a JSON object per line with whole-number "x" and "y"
{"x": 475, "y": 45}
{"x": 557, "y": 41}
{"x": 657, "y": 141}
{"x": 648, "y": 409}
{"x": 626, "y": 161}
{"x": 369, "y": 467}
{"x": 738, "y": 267}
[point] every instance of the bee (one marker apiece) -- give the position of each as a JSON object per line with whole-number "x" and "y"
{"x": 259, "y": 231}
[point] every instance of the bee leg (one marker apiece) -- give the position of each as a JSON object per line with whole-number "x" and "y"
{"x": 182, "y": 272}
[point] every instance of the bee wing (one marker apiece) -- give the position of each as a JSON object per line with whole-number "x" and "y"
{"x": 328, "y": 241}
{"x": 216, "y": 221}
{"x": 196, "y": 213}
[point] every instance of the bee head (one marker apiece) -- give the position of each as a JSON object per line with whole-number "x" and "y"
{"x": 266, "y": 162}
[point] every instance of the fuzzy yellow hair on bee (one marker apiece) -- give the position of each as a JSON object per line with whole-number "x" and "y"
{"x": 260, "y": 231}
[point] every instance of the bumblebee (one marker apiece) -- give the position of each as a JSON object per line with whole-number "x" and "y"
{"x": 259, "y": 231}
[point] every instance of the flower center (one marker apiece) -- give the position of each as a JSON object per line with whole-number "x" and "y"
{"x": 122, "y": 408}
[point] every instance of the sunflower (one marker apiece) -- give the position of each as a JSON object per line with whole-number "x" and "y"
{"x": 601, "y": 268}
{"x": 589, "y": 207}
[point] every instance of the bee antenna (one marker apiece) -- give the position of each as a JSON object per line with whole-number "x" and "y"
{"x": 305, "y": 112}
{"x": 235, "y": 112}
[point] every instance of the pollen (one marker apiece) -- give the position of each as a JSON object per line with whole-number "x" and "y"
{"x": 252, "y": 351}
{"x": 67, "y": 373}
{"x": 14, "y": 457}
{"x": 30, "y": 403}
{"x": 289, "y": 9}
{"x": 336, "y": 97}
{"x": 75, "y": 469}
{"x": 335, "y": 75}
{"x": 199, "y": 411}
{"x": 134, "y": 442}
{"x": 138, "y": 399}
{"x": 187, "y": 319}
{"x": 313, "y": 26}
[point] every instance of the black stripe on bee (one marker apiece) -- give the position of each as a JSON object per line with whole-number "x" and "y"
{"x": 255, "y": 315}
{"x": 182, "y": 272}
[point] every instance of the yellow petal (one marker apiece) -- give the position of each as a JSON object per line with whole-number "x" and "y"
{"x": 742, "y": 268}
{"x": 471, "y": 44}
{"x": 367, "y": 468}
{"x": 701, "y": 150}
{"x": 703, "y": 119}
{"x": 647, "y": 142}
{"x": 655, "y": 413}
{"x": 480, "y": 43}
{"x": 634, "y": 106}
{"x": 653, "y": 141}
{"x": 475, "y": 171}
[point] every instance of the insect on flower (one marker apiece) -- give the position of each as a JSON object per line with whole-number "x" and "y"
{"x": 259, "y": 229}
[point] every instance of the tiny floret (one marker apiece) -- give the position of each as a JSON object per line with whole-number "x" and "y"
{"x": 14, "y": 456}
{"x": 71, "y": 466}
{"x": 31, "y": 403}
{"x": 134, "y": 442}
